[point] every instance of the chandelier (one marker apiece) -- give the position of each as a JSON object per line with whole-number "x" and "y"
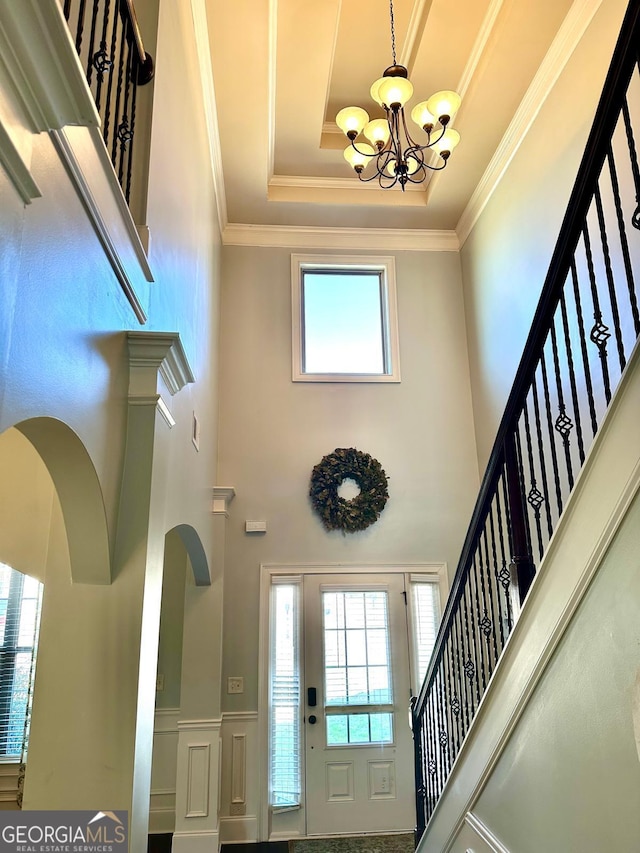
{"x": 397, "y": 158}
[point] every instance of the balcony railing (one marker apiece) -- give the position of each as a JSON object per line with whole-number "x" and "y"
{"x": 110, "y": 48}
{"x": 585, "y": 326}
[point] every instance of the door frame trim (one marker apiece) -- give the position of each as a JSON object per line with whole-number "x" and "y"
{"x": 269, "y": 570}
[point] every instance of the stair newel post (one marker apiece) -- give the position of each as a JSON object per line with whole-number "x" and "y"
{"x": 521, "y": 566}
{"x": 416, "y": 727}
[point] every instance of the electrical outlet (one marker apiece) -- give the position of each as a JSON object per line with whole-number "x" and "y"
{"x": 159, "y": 682}
{"x": 237, "y": 809}
{"x": 235, "y": 684}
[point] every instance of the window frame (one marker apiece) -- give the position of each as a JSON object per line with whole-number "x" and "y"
{"x": 385, "y": 266}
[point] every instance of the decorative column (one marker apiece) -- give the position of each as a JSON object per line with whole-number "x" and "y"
{"x": 158, "y": 369}
{"x": 199, "y": 742}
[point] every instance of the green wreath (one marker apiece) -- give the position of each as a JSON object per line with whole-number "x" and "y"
{"x": 358, "y": 513}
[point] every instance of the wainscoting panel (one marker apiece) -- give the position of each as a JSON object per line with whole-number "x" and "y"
{"x": 239, "y": 790}
{"x": 162, "y": 808}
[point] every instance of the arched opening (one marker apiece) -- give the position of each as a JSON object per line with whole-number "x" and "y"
{"x": 78, "y": 489}
{"x": 53, "y": 533}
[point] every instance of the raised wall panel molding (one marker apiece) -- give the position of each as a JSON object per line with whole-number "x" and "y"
{"x": 485, "y": 833}
{"x": 221, "y": 498}
{"x": 238, "y": 768}
{"x": 567, "y": 39}
{"x": 310, "y": 237}
{"x": 87, "y": 162}
{"x": 199, "y": 760}
{"x": 197, "y": 785}
{"x": 41, "y": 59}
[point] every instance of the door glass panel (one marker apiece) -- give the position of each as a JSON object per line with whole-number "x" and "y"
{"x": 345, "y": 729}
{"x": 356, "y": 665}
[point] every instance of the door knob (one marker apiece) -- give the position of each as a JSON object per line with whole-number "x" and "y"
{"x": 312, "y": 719}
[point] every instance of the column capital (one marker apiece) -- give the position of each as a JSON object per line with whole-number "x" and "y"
{"x": 221, "y": 498}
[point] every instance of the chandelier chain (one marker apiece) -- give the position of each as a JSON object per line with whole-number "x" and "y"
{"x": 393, "y": 32}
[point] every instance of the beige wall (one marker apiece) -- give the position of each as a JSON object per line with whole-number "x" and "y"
{"x": 273, "y": 431}
{"x": 505, "y": 259}
{"x": 569, "y": 779}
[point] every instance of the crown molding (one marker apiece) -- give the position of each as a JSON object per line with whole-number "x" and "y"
{"x": 316, "y": 237}
{"x": 203, "y": 50}
{"x": 567, "y": 39}
{"x": 312, "y": 182}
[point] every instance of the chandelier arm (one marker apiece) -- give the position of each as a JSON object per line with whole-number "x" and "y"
{"x": 406, "y": 131}
{"x": 362, "y": 153}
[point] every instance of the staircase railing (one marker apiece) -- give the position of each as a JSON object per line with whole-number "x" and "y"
{"x": 110, "y": 47}
{"x": 584, "y": 328}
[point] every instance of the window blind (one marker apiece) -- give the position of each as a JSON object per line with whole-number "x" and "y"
{"x": 20, "y": 605}
{"x": 284, "y": 695}
{"x": 425, "y": 602}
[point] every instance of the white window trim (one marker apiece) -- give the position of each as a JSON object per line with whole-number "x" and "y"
{"x": 385, "y": 265}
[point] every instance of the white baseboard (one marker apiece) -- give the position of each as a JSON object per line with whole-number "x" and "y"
{"x": 195, "y": 842}
{"x": 239, "y": 830}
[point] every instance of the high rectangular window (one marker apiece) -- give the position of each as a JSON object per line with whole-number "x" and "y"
{"x": 344, "y": 320}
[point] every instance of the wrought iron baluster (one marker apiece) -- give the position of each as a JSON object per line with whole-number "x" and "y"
{"x": 624, "y": 243}
{"x": 443, "y": 733}
{"x": 433, "y": 764}
{"x": 552, "y": 444}
{"x": 80, "y": 30}
{"x": 121, "y": 62}
{"x": 101, "y": 60}
{"x": 496, "y": 576}
{"x": 464, "y": 690}
{"x": 610, "y": 282}
{"x": 477, "y": 633}
{"x": 435, "y": 734}
{"x": 517, "y": 526}
{"x": 458, "y": 702}
{"x": 124, "y": 128}
{"x": 134, "y": 97}
{"x": 583, "y": 347}
{"x": 469, "y": 665}
{"x": 472, "y": 636}
{"x": 504, "y": 576}
{"x": 449, "y": 693}
{"x": 92, "y": 40}
{"x": 599, "y": 334}
{"x": 572, "y": 376}
{"x": 418, "y": 770}
{"x": 541, "y": 453}
{"x": 491, "y": 615}
{"x": 535, "y": 498}
{"x": 633, "y": 156}
{"x": 563, "y": 423}
{"x": 67, "y": 9}
{"x": 106, "y": 131}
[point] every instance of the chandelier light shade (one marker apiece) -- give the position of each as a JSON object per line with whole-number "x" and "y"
{"x": 396, "y": 156}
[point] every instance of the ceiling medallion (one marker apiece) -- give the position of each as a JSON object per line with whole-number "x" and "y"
{"x": 397, "y": 158}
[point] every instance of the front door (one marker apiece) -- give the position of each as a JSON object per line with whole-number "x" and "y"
{"x": 358, "y": 748}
